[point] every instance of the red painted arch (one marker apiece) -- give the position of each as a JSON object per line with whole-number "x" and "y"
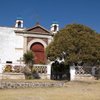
{"x": 39, "y": 53}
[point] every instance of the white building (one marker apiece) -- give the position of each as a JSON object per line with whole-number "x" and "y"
{"x": 11, "y": 45}
{"x": 15, "y": 41}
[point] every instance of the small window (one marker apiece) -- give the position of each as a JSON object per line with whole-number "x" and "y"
{"x": 55, "y": 28}
{"x": 10, "y": 62}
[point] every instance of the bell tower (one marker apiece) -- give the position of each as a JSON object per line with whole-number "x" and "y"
{"x": 19, "y": 23}
{"x": 54, "y": 28}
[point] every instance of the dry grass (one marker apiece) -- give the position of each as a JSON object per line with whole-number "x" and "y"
{"x": 71, "y": 91}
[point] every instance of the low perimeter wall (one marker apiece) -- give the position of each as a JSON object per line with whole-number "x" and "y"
{"x": 84, "y": 77}
{"x": 12, "y": 76}
{"x": 10, "y": 85}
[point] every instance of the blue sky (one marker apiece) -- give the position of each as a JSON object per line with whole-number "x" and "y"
{"x": 64, "y": 12}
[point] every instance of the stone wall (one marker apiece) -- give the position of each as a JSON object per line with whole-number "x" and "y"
{"x": 84, "y": 77}
{"x": 10, "y": 85}
{"x": 12, "y": 76}
{"x": 84, "y": 73}
{"x": 43, "y": 76}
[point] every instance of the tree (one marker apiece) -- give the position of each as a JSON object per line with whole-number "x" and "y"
{"x": 80, "y": 44}
{"x": 28, "y": 58}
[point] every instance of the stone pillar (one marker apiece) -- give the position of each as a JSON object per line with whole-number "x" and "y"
{"x": 25, "y": 44}
{"x": 50, "y": 40}
{"x": 49, "y": 70}
{"x": 72, "y": 73}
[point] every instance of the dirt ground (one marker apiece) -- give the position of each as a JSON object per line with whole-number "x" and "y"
{"x": 77, "y": 90}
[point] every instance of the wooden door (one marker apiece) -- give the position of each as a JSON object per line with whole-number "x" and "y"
{"x": 39, "y": 53}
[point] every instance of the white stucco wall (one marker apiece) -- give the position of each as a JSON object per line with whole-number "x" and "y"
{"x": 19, "y": 47}
{"x": 72, "y": 73}
{"x": 1, "y": 68}
{"x": 11, "y": 45}
{"x": 49, "y": 70}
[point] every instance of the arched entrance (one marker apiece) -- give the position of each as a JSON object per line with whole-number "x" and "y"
{"x": 39, "y": 53}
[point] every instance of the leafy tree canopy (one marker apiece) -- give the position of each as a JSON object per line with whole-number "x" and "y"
{"x": 80, "y": 44}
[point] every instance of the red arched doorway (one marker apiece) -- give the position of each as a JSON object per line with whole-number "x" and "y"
{"x": 39, "y": 53}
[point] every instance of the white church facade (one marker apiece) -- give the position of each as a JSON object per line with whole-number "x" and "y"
{"x": 15, "y": 41}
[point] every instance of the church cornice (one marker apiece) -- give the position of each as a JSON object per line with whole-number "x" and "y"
{"x": 31, "y": 33}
